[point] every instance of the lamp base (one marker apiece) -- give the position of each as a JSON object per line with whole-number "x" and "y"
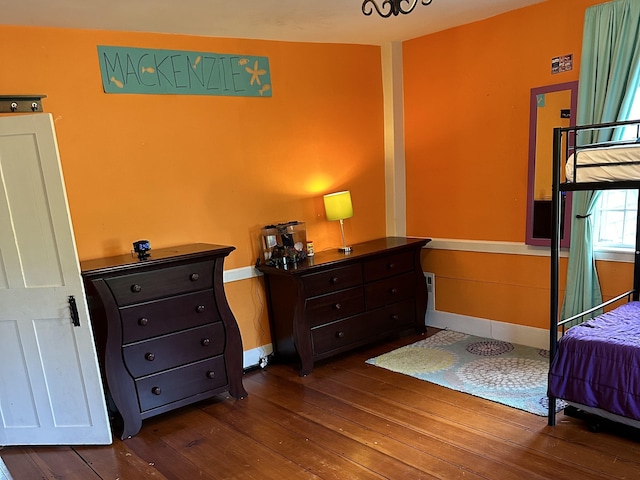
{"x": 344, "y": 249}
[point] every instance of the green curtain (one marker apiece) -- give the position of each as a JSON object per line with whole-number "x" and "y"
{"x": 609, "y": 77}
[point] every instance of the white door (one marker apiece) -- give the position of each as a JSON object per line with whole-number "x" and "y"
{"x": 50, "y": 388}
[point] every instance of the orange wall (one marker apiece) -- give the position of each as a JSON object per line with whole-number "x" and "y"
{"x": 467, "y": 94}
{"x": 177, "y": 169}
{"x": 467, "y": 117}
{"x": 180, "y": 169}
{"x": 506, "y": 288}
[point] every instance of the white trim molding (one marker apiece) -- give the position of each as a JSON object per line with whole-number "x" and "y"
{"x": 481, "y": 327}
{"x": 517, "y": 248}
{"x": 394, "y": 158}
{"x": 237, "y": 274}
{"x": 615, "y": 255}
{"x": 488, "y": 246}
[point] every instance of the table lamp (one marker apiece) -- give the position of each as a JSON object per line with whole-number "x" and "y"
{"x": 338, "y": 207}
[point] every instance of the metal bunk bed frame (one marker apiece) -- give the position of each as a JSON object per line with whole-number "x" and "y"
{"x": 571, "y": 144}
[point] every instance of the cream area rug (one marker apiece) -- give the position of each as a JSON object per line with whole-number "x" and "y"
{"x": 503, "y": 372}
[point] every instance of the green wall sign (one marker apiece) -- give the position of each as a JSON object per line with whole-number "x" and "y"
{"x": 147, "y": 71}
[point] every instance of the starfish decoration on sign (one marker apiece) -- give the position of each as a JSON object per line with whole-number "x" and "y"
{"x": 255, "y": 73}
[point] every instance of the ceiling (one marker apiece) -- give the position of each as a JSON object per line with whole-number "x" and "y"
{"x": 326, "y": 21}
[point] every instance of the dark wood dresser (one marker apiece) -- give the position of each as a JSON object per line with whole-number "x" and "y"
{"x": 164, "y": 331}
{"x": 333, "y": 302}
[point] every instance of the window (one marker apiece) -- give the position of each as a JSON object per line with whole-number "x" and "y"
{"x": 617, "y": 210}
{"x": 615, "y": 219}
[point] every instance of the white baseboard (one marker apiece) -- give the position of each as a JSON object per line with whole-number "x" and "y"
{"x": 480, "y": 327}
{"x": 251, "y": 358}
{"x": 237, "y": 274}
{"x": 507, "y": 332}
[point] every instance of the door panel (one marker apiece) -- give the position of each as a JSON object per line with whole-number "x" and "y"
{"x": 50, "y": 387}
{"x": 17, "y": 407}
{"x": 31, "y": 219}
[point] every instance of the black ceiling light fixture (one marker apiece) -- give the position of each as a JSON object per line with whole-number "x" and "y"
{"x": 391, "y": 7}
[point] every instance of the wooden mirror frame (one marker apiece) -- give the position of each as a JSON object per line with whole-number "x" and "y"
{"x": 533, "y": 132}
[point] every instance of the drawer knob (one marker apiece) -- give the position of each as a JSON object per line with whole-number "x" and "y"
{"x": 391, "y": 266}
{"x": 135, "y": 288}
{"x": 211, "y": 374}
{"x": 334, "y": 280}
{"x": 340, "y": 334}
{"x": 156, "y": 390}
{"x": 395, "y": 317}
{"x": 393, "y": 291}
{"x": 200, "y": 308}
{"x": 337, "y": 306}
{"x": 194, "y": 277}
{"x": 150, "y": 356}
{"x": 205, "y": 342}
{"x": 143, "y": 322}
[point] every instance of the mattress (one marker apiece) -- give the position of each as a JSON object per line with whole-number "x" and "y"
{"x": 597, "y": 363}
{"x": 591, "y": 164}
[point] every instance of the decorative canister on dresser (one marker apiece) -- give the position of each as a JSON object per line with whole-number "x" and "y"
{"x": 333, "y": 302}
{"x": 164, "y": 331}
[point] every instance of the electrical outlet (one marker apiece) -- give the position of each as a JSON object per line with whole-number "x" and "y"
{"x": 431, "y": 288}
{"x": 429, "y": 277}
{"x": 262, "y": 363}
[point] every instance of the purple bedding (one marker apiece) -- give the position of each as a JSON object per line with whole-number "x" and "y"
{"x": 598, "y": 363}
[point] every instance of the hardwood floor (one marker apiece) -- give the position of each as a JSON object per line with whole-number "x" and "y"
{"x": 347, "y": 420}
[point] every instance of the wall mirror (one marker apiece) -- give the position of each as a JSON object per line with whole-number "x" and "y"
{"x": 550, "y": 106}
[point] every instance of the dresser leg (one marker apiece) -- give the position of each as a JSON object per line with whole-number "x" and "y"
{"x": 307, "y": 366}
{"x": 237, "y": 391}
{"x": 130, "y": 428}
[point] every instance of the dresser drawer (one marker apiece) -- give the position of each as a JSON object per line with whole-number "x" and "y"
{"x": 359, "y": 329}
{"x": 161, "y": 353}
{"x": 391, "y": 290}
{"x": 141, "y": 287}
{"x": 152, "y": 319}
{"x": 388, "y": 265}
{"x": 332, "y": 280}
{"x": 339, "y": 334}
{"x": 396, "y": 316}
{"x": 330, "y": 307}
{"x": 173, "y": 385}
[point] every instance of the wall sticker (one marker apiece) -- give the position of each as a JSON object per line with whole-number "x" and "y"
{"x": 563, "y": 63}
{"x": 149, "y": 71}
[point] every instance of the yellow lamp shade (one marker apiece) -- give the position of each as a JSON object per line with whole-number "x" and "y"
{"x": 338, "y": 205}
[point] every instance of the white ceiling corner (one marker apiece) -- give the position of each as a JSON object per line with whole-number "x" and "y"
{"x": 325, "y": 21}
